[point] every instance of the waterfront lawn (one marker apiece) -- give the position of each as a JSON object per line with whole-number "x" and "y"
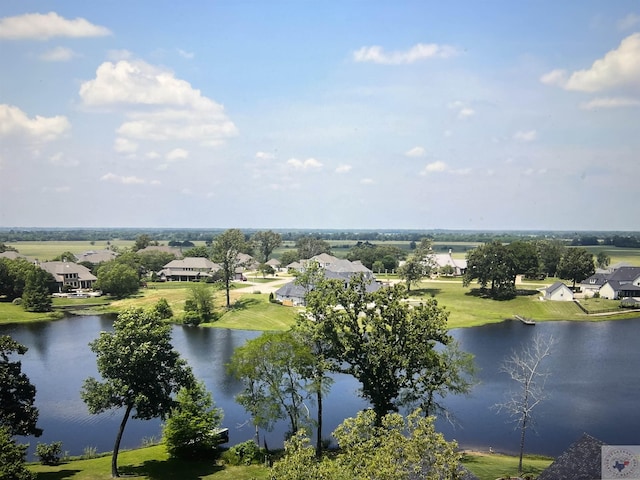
{"x": 254, "y": 312}
{"x": 147, "y": 463}
{"x": 153, "y": 463}
{"x": 487, "y": 466}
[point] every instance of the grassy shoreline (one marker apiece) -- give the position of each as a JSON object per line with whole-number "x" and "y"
{"x": 153, "y": 462}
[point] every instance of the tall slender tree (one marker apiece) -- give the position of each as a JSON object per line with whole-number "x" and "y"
{"x": 266, "y": 242}
{"x": 226, "y": 250}
{"x": 141, "y": 371}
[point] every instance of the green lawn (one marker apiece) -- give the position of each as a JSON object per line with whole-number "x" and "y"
{"x": 153, "y": 463}
{"x": 147, "y": 463}
{"x": 492, "y": 466}
{"x": 254, "y": 312}
{"x": 44, "y": 251}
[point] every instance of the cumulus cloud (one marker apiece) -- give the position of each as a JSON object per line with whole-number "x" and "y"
{"x": 177, "y": 154}
{"x": 124, "y": 145}
{"x": 14, "y": 121}
{"x": 610, "y": 102}
{"x": 434, "y": 167}
{"x": 58, "y": 54}
{"x": 619, "y": 68}
{"x": 343, "y": 168}
{"x": 265, "y": 156}
{"x": 525, "y": 135}
{"x": 308, "y": 164}
{"x": 630, "y": 21}
{"x": 421, "y": 51}
{"x": 43, "y": 26}
{"x": 416, "y": 152}
{"x": 173, "y": 109}
{"x": 128, "y": 180}
{"x": 367, "y": 181}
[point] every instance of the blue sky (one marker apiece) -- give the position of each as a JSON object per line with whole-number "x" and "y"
{"x": 300, "y": 114}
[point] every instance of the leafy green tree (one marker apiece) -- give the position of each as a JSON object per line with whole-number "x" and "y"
{"x": 394, "y": 448}
{"x": 576, "y": 264}
{"x": 266, "y": 269}
{"x": 412, "y": 271}
{"x": 65, "y": 257}
{"x": 288, "y": 257}
{"x": 549, "y": 253}
{"x": 36, "y": 296}
{"x": 226, "y": 250}
{"x": 191, "y": 429}
{"x": 266, "y": 242}
{"x": 162, "y": 309}
{"x": 387, "y": 345}
{"x": 18, "y": 413}
{"x": 200, "y": 302}
{"x": 525, "y": 258}
{"x": 154, "y": 261}
{"x": 274, "y": 369}
{"x": 199, "y": 251}
{"x": 13, "y": 458}
{"x": 13, "y": 276}
{"x": 378, "y": 266}
{"x": 142, "y": 241}
{"x": 492, "y": 263}
{"x": 310, "y": 247}
{"x": 140, "y": 370}
{"x": 117, "y": 279}
{"x": 603, "y": 260}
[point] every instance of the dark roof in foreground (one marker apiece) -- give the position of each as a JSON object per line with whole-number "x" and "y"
{"x": 581, "y": 461}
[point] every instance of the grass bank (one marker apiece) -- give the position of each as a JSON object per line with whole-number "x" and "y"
{"x": 154, "y": 463}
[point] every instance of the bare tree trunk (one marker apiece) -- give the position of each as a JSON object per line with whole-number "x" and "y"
{"x": 524, "y": 428}
{"x": 319, "y": 429}
{"x": 116, "y": 447}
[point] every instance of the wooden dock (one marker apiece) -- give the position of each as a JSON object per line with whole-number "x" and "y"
{"x": 525, "y": 320}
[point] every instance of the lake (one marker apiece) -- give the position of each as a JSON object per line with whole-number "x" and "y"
{"x": 594, "y": 386}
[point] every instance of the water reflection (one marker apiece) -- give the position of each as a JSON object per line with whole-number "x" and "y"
{"x": 594, "y": 384}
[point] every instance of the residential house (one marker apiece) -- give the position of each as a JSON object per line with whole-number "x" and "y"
{"x": 558, "y": 292}
{"x": 11, "y": 255}
{"x": 189, "y": 269}
{"x": 623, "y": 282}
{"x": 96, "y": 256}
{"x": 334, "y": 268}
{"x": 245, "y": 262}
{"x": 458, "y": 266}
{"x": 581, "y": 461}
{"x": 69, "y": 275}
{"x": 275, "y": 264}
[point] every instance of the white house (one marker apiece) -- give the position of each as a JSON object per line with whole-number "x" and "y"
{"x": 69, "y": 275}
{"x": 558, "y": 292}
{"x": 458, "y": 266}
{"x": 624, "y": 282}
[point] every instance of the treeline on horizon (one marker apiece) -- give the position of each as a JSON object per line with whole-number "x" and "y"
{"x": 624, "y": 239}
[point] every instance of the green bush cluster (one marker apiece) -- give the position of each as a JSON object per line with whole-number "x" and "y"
{"x": 244, "y": 453}
{"x": 49, "y": 453}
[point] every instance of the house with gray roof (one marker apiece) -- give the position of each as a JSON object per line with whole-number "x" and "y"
{"x": 458, "y": 266}
{"x": 96, "y": 256}
{"x": 581, "y": 461}
{"x": 557, "y": 292}
{"x": 623, "y": 282}
{"x": 69, "y": 275}
{"x": 189, "y": 269}
{"x": 334, "y": 268}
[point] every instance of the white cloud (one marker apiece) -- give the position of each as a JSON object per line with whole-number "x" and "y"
{"x": 525, "y": 135}
{"x": 343, "y": 168}
{"x": 628, "y": 22}
{"x": 464, "y": 111}
{"x": 130, "y": 180}
{"x": 610, "y": 102}
{"x": 416, "y": 152}
{"x": 421, "y": 51}
{"x": 460, "y": 171}
{"x": 434, "y": 167}
{"x": 39, "y": 26}
{"x": 187, "y": 55}
{"x": 14, "y": 121}
{"x": 557, "y": 77}
{"x": 152, "y": 155}
{"x": 308, "y": 164}
{"x": 60, "y": 160}
{"x": 177, "y": 154}
{"x": 619, "y": 68}
{"x": 173, "y": 108}
{"x": 265, "y": 156}
{"x": 367, "y": 181}
{"x": 58, "y": 54}
{"x": 124, "y": 145}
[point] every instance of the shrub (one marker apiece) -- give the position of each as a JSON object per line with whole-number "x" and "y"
{"x": 244, "y": 453}
{"x": 12, "y": 458}
{"x": 191, "y": 317}
{"x": 49, "y": 454}
{"x": 89, "y": 452}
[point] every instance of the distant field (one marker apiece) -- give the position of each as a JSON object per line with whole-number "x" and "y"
{"x": 47, "y": 250}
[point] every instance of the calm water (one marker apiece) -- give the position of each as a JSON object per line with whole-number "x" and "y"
{"x": 594, "y": 387}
